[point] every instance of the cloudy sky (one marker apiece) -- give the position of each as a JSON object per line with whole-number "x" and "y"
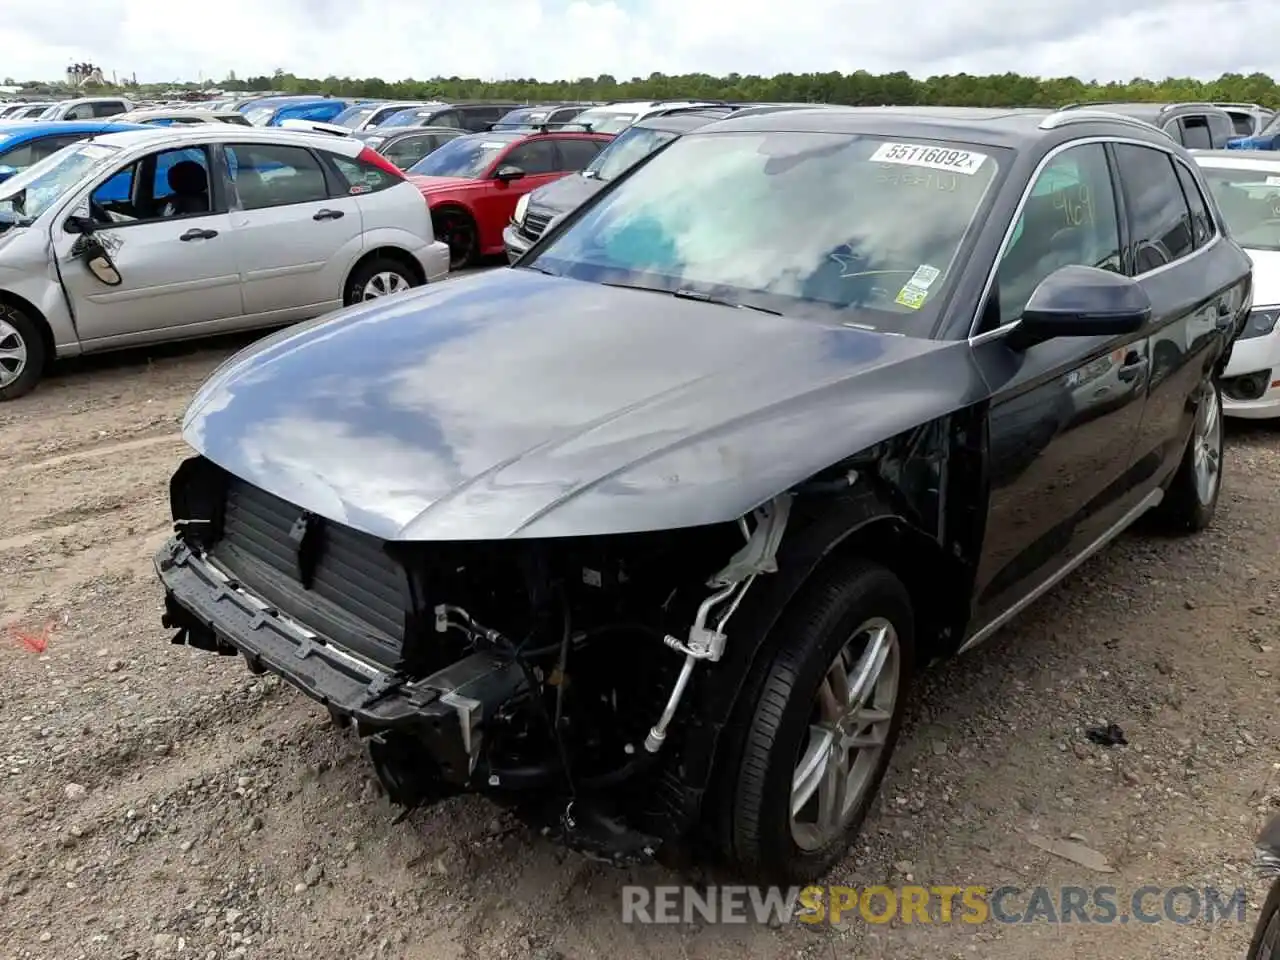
{"x": 550, "y": 39}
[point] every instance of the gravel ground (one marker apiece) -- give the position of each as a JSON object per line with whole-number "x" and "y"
{"x": 159, "y": 802}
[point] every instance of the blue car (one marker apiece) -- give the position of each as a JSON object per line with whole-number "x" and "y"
{"x": 25, "y": 142}
{"x": 322, "y": 109}
{"x": 1268, "y": 138}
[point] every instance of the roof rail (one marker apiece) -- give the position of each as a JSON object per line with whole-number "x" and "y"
{"x": 1076, "y": 105}
{"x": 1247, "y": 106}
{"x": 1060, "y": 118}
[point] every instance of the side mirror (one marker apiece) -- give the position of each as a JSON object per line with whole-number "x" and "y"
{"x": 90, "y": 249}
{"x": 6, "y": 172}
{"x": 79, "y": 224}
{"x": 506, "y": 173}
{"x": 100, "y": 266}
{"x": 1079, "y": 301}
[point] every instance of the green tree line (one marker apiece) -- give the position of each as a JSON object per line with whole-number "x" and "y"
{"x": 859, "y": 88}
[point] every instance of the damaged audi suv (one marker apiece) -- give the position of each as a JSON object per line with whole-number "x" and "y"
{"x": 647, "y": 536}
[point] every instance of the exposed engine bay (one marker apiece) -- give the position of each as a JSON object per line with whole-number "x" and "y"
{"x": 552, "y": 671}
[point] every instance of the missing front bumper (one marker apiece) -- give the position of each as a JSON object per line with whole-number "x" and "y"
{"x": 443, "y": 713}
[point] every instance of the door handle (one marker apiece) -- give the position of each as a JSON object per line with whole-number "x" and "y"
{"x": 328, "y": 215}
{"x": 1133, "y": 367}
{"x": 195, "y": 233}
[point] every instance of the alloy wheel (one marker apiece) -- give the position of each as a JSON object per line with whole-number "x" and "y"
{"x": 383, "y": 285}
{"x": 13, "y": 353}
{"x": 1207, "y": 444}
{"x": 848, "y": 730}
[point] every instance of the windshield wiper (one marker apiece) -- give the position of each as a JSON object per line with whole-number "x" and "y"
{"x": 686, "y": 294}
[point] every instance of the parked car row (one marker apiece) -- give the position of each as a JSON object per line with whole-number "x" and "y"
{"x": 163, "y": 233}
{"x": 647, "y": 534}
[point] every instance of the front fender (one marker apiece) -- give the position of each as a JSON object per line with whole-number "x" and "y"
{"x": 29, "y": 274}
{"x": 722, "y": 685}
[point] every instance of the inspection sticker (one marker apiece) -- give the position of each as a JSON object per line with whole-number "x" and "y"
{"x": 911, "y": 296}
{"x": 1273, "y": 181}
{"x": 935, "y": 158}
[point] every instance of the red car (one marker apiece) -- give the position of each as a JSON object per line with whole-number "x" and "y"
{"x": 472, "y": 182}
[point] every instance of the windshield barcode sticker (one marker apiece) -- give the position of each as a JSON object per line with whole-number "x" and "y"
{"x": 1273, "y": 181}
{"x": 935, "y": 158}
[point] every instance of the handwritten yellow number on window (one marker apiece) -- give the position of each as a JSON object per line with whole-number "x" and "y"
{"x": 1076, "y": 205}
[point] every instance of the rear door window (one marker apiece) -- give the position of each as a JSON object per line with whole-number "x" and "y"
{"x": 534, "y": 157}
{"x": 577, "y": 154}
{"x": 1160, "y": 227}
{"x": 107, "y": 108}
{"x": 271, "y": 175}
{"x": 81, "y": 111}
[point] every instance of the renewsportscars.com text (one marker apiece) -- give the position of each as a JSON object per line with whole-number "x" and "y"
{"x": 931, "y": 904}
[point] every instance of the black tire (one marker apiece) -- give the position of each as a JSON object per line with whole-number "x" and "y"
{"x": 772, "y": 723}
{"x": 18, "y": 331}
{"x": 1185, "y": 507}
{"x": 1268, "y": 929}
{"x": 457, "y": 228}
{"x": 369, "y": 271}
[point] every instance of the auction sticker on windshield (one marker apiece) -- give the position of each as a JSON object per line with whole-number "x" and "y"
{"x": 935, "y": 158}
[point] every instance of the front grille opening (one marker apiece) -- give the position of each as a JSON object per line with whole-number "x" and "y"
{"x": 357, "y": 595}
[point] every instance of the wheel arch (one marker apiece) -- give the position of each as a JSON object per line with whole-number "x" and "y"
{"x": 8, "y": 298}
{"x": 403, "y": 257}
{"x": 929, "y": 536}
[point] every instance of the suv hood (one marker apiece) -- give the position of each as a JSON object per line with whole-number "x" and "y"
{"x": 565, "y": 194}
{"x": 514, "y": 404}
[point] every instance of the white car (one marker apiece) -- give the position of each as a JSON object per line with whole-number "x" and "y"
{"x": 87, "y": 108}
{"x": 184, "y": 231}
{"x": 617, "y": 116}
{"x": 1246, "y": 185}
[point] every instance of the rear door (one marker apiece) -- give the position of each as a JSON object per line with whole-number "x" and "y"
{"x": 1065, "y": 414}
{"x": 387, "y": 203}
{"x": 298, "y": 230}
{"x": 1172, "y": 253}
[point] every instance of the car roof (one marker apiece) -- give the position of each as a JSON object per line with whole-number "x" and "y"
{"x": 397, "y": 131}
{"x": 1014, "y": 127}
{"x": 198, "y": 133}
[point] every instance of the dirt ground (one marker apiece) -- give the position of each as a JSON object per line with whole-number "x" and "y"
{"x": 160, "y": 802}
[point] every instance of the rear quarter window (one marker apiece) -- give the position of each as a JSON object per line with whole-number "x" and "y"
{"x": 359, "y": 176}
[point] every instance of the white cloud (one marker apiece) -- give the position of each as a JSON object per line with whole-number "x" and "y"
{"x": 551, "y": 39}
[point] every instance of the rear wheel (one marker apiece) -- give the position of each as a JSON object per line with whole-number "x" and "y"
{"x": 457, "y": 229}
{"x": 22, "y": 353}
{"x": 1192, "y": 497}
{"x": 380, "y": 277}
{"x": 819, "y": 724}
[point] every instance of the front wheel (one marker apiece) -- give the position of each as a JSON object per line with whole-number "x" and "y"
{"x": 1192, "y": 497}
{"x": 820, "y": 725}
{"x": 458, "y": 230}
{"x": 22, "y": 353}
{"x": 1266, "y": 935}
